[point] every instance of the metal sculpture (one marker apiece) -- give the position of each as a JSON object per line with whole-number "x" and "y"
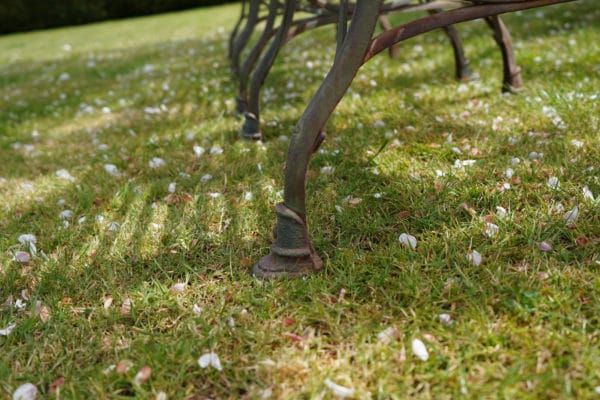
{"x": 292, "y": 253}
{"x": 251, "y": 73}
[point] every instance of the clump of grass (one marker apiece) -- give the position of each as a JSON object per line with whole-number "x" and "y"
{"x": 151, "y": 265}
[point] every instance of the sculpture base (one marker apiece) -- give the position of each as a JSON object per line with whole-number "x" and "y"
{"x": 273, "y": 266}
{"x": 292, "y": 254}
{"x": 250, "y": 129}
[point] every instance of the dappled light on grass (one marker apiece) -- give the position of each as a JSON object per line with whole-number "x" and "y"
{"x": 459, "y": 226}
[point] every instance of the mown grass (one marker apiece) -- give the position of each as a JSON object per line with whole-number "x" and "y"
{"x": 524, "y": 322}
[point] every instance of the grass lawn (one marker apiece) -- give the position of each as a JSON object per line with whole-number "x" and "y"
{"x": 143, "y": 244}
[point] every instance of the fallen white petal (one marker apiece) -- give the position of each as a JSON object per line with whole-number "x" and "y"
{"x": 445, "y": 319}
{"x": 112, "y": 169}
{"x": 66, "y": 214}
{"x": 172, "y": 187}
{"x": 338, "y": 390}
{"x": 474, "y": 258}
{"x": 587, "y": 194}
{"x": 491, "y": 229}
{"x": 571, "y": 215}
{"x": 197, "y": 309}
{"x": 553, "y": 183}
{"x": 206, "y": 178}
{"x": 64, "y": 174}
{"x": 215, "y": 150}
{"x": 327, "y": 170}
{"x": 26, "y": 391}
{"x": 156, "y": 162}
{"x": 545, "y": 246}
{"x": 178, "y": 287}
{"x": 388, "y": 335}
{"x": 210, "y": 359}
{"x": 6, "y": 331}
{"x": 199, "y": 150}
{"x": 501, "y": 212}
{"x": 408, "y": 240}
{"x": 419, "y": 349}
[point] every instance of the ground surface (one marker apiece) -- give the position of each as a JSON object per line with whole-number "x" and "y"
{"x": 127, "y": 274}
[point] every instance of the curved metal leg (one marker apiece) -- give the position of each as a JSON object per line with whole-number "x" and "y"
{"x": 251, "y": 127}
{"x": 394, "y": 50}
{"x": 292, "y": 253}
{"x": 512, "y": 80}
{"x": 244, "y": 36}
{"x": 252, "y": 58}
{"x": 236, "y": 29}
{"x": 463, "y": 71}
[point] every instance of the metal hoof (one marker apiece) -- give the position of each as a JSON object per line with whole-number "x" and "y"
{"x": 292, "y": 254}
{"x": 251, "y": 129}
{"x": 466, "y": 74}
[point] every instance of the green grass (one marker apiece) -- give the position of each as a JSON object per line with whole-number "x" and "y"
{"x": 524, "y": 322}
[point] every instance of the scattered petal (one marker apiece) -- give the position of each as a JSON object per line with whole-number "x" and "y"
{"x": 338, "y": 390}
{"x": 553, "y": 183}
{"x": 474, "y": 258}
{"x": 22, "y": 256}
{"x": 112, "y": 169}
{"x": 109, "y": 369}
{"x": 545, "y": 246}
{"x": 571, "y": 216}
{"x": 64, "y": 174}
{"x": 199, "y": 150}
{"x": 419, "y": 349}
{"x": 445, "y": 319}
{"x": 178, "y": 287}
{"x": 172, "y": 187}
{"x": 408, "y": 240}
{"x": 6, "y": 331}
{"x": 143, "y": 375}
{"x": 216, "y": 150}
{"x": 161, "y": 396}
{"x": 501, "y": 212}
{"x": 210, "y": 359}
{"x": 113, "y": 226}
{"x": 26, "y": 391}
{"x": 491, "y": 230}
{"x": 126, "y": 306}
{"x": 156, "y": 162}
{"x": 206, "y": 178}
{"x": 108, "y": 300}
{"x": 587, "y": 194}
{"x": 327, "y": 170}
{"x": 123, "y": 366}
{"x": 197, "y": 309}
{"x": 388, "y": 335}
{"x": 66, "y": 214}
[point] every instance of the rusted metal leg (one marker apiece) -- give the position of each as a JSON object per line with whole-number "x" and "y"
{"x": 512, "y": 72}
{"x": 292, "y": 253}
{"x": 250, "y": 61}
{"x": 236, "y": 29}
{"x": 463, "y": 71}
{"x": 243, "y": 37}
{"x": 394, "y": 50}
{"x": 251, "y": 127}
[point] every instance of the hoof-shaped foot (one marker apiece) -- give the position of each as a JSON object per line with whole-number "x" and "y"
{"x": 292, "y": 255}
{"x": 250, "y": 129}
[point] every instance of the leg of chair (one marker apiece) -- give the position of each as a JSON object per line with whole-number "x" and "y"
{"x": 244, "y": 36}
{"x": 512, "y": 72}
{"x": 236, "y": 29}
{"x": 463, "y": 71}
{"x": 292, "y": 253}
{"x": 385, "y": 24}
{"x": 251, "y": 127}
{"x": 250, "y": 61}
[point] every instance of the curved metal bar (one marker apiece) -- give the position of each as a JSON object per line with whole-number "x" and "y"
{"x": 251, "y": 127}
{"x": 244, "y": 36}
{"x": 512, "y": 72}
{"x": 236, "y": 29}
{"x": 467, "y": 13}
{"x": 252, "y": 58}
{"x": 292, "y": 253}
